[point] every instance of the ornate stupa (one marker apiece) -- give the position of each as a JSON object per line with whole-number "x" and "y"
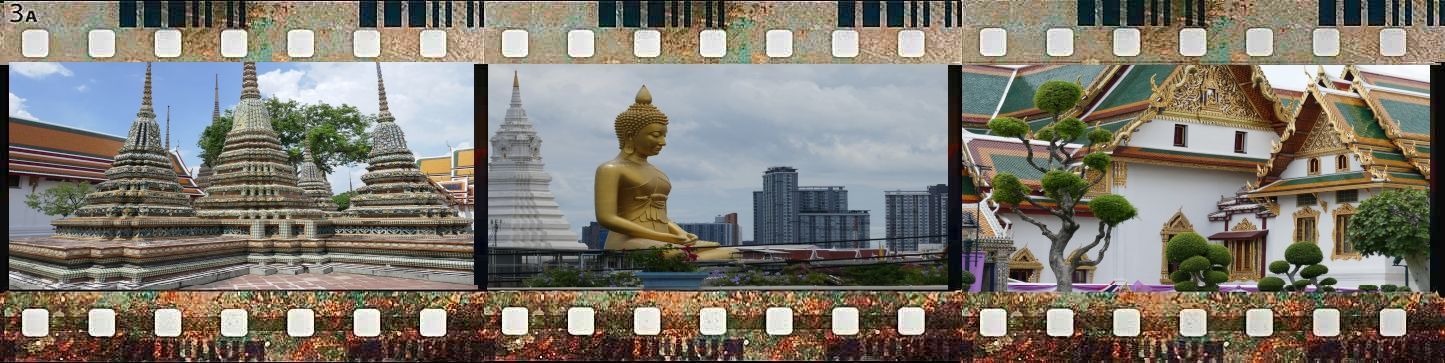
{"x": 139, "y": 183}
{"x": 203, "y": 176}
{"x": 253, "y": 177}
{"x": 397, "y": 196}
{"x": 519, "y": 196}
{"x": 313, "y": 181}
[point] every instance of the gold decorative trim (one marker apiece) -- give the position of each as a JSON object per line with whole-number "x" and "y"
{"x": 1177, "y": 224}
{"x": 1121, "y": 173}
{"x": 1024, "y": 259}
{"x": 1213, "y": 120}
{"x": 1306, "y": 212}
{"x": 1343, "y": 209}
{"x": 1245, "y": 225}
{"x": 1183, "y": 165}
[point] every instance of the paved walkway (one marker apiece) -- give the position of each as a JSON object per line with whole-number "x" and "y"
{"x": 331, "y": 281}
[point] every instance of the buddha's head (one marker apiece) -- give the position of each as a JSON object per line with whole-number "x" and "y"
{"x": 642, "y": 129}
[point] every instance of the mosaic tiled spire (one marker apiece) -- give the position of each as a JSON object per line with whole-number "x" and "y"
{"x": 253, "y": 174}
{"x": 313, "y": 181}
{"x": 394, "y": 186}
{"x": 203, "y": 176}
{"x": 141, "y": 181}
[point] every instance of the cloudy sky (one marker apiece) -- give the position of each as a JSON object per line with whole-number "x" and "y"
{"x": 867, "y": 127}
{"x": 432, "y": 101}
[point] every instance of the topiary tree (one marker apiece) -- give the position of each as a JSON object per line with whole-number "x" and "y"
{"x": 1388, "y": 288}
{"x": 1202, "y": 266}
{"x": 61, "y": 200}
{"x": 1303, "y": 258}
{"x": 1369, "y": 288}
{"x": 1065, "y": 180}
{"x": 968, "y": 280}
{"x": 1271, "y": 284}
{"x": 1396, "y": 223}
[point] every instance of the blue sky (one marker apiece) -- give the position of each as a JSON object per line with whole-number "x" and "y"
{"x": 432, "y": 101}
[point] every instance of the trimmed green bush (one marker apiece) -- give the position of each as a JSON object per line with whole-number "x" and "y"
{"x": 1185, "y": 286}
{"x": 1100, "y": 136}
{"x": 1328, "y": 289}
{"x": 1303, "y": 253}
{"x": 1070, "y": 129}
{"x": 1057, "y": 96}
{"x": 1369, "y": 288}
{"x": 1056, "y": 182}
{"x": 1046, "y": 133}
{"x": 1219, "y": 255}
{"x": 1216, "y": 277}
{"x": 1179, "y": 276}
{"x": 1301, "y": 284}
{"x": 1271, "y": 284}
{"x": 1388, "y": 288}
{"x": 1008, "y": 127}
{"x": 1279, "y": 267}
{"x": 1329, "y": 281}
{"x": 1313, "y": 271}
{"x": 1096, "y": 161}
{"x": 1007, "y": 189}
{"x": 1184, "y": 246}
{"x": 1112, "y": 209}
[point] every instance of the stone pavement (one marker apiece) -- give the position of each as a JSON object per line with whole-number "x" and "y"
{"x": 331, "y": 281}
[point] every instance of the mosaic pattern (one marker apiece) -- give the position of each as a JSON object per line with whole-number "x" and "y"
{"x": 746, "y": 23}
{"x": 952, "y": 332}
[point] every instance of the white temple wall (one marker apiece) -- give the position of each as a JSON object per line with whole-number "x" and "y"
{"x": 1299, "y": 167}
{"x": 1158, "y": 192}
{"x": 1028, "y": 235}
{"x": 1202, "y": 138}
{"x": 23, "y": 220}
{"x": 1350, "y": 271}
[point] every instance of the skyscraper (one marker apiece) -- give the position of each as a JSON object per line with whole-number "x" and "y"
{"x": 916, "y": 213}
{"x": 784, "y": 212}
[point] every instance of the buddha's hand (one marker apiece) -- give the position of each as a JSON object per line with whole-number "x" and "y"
{"x": 687, "y": 239}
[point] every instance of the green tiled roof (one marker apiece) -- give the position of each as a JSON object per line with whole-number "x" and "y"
{"x": 1134, "y": 87}
{"x": 1389, "y": 156}
{"x": 983, "y": 91}
{"x": 1021, "y": 93}
{"x": 1401, "y": 86}
{"x": 1361, "y": 120}
{"x": 1321, "y": 178}
{"x": 1035, "y": 125}
{"x": 969, "y": 188}
{"x": 1412, "y": 118}
{"x": 983, "y": 131}
{"x": 1018, "y": 165}
{"x": 1424, "y": 149}
{"x": 1400, "y": 175}
{"x": 1202, "y": 155}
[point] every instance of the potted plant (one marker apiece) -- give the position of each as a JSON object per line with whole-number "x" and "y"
{"x": 663, "y": 271}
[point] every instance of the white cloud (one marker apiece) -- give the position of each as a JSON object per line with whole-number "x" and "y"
{"x": 39, "y": 70}
{"x": 432, "y": 102}
{"x": 82, "y": 88}
{"x": 17, "y": 107}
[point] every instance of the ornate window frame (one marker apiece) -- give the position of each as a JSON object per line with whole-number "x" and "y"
{"x": 1178, "y": 223}
{"x": 1255, "y": 249}
{"x": 1024, "y": 259}
{"x": 1345, "y": 209}
{"x": 1342, "y": 163}
{"x": 1314, "y": 234}
{"x": 1312, "y": 167}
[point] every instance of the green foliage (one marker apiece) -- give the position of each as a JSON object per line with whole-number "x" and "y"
{"x": 1100, "y": 136}
{"x": 1186, "y": 245}
{"x": 1070, "y": 129}
{"x": 1008, "y": 127}
{"x": 1007, "y": 189}
{"x": 1219, "y": 255}
{"x": 894, "y": 275}
{"x": 1369, "y": 288}
{"x": 568, "y": 276}
{"x": 1097, "y": 161}
{"x": 1329, "y": 281}
{"x": 1327, "y": 288}
{"x": 1216, "y": 277}
{"x": 337, "y": 134}
{"x": 343, "y": 200}
{"x": 1046, "y": 133}
{"x": 1303, "y": 253}
{"x": 1185, "y": 286}
{"x": 60, "y": 200}
{"x": 1301, "y": 284}
{"x": 657, "y": 260}
{"x": 1057, "y": 182}
{"x": 1180, "y": 275}
{"x": 1195, "y": 264}
{"x": 1271, "y": 283}
{"x": 1279, "y": 267}
{"x": 1112, "y": 209}
{"x": 1388, "y": 288}
{"x": 968, "y": 278}
{"x": 1403, "y": 289}
{"x": 1394, "y": 223}
{"x": 1057, "y": 96}
{"x": 1290, "y": 288}
{"x": 1313, "y": 271}
{"x": 1208, "y": 288}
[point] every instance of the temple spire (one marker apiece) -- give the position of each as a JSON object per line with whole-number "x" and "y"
{"x": 168, "y": 128}
{"x": 216, "y": 110}
{"x": 516, "y": 91}
{"x": 248, "y": 81}
{"x": 145, "y": 99}
{"x": 384, "y": 115}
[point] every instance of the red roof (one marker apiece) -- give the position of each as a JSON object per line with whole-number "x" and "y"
{"x": 67, "y": 153}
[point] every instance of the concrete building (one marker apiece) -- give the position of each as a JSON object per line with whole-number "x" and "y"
{"x": 722, "y": 233}
{"x": 784, "y": 212}
{"x": 916, "y": 213}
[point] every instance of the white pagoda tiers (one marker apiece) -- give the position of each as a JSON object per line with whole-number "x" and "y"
{"x": 521, "y": 210}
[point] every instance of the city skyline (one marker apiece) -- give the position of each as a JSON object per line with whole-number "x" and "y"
{"x": 871, "y": 128}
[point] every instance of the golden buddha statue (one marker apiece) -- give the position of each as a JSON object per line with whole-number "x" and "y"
{"x": 631, "y": 194}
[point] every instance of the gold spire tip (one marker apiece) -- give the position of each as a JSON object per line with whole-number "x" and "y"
{"x": 643, "y": 96}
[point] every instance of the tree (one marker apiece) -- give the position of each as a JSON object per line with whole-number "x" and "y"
{"x": 1302, "y": 258}
{"x": 1202, "y": 266}
{"x": 62, "y": 200}
{"x": 1396, "y": 223}
{"x": 336, "y": 134}
{"x": 343, "y": 200}
{"x": 1065, "y": 180}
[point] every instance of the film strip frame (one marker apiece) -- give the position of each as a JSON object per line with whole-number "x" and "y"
{"x": 703, "y": 32}
{"x": 720, "y": 325}
{"x": 407, "y": 40}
